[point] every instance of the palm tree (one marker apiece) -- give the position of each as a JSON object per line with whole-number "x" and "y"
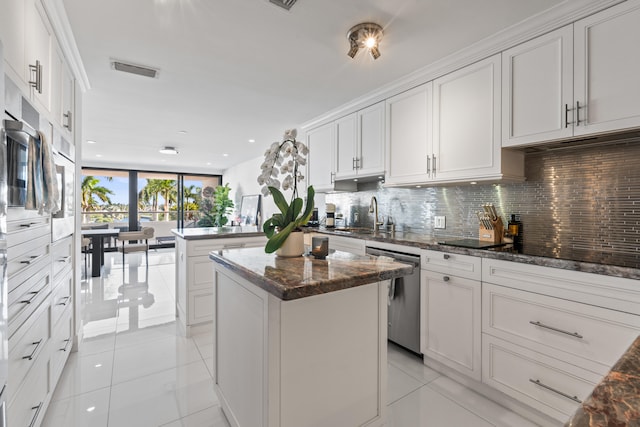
{"x": 91, "y": 189}
{"x": 155, "y": 188}
{"x": 190, "y": 197}
{"x": 169, "y": 193}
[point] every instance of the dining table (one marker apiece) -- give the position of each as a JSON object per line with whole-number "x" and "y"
{"x": 97, "y": 236}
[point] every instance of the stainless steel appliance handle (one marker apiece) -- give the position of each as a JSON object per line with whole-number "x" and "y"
{"x": 539, "y": 383}
{"x": 392, "y": 290}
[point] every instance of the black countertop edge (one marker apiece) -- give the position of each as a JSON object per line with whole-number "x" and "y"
{"x": 504, "y": 253}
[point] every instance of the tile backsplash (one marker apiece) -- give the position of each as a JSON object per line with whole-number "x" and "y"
{"x": 582, "y": 197}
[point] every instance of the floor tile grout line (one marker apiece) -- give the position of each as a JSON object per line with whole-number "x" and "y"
{"x": 452, "y": 399}
{"x": 421, "y": 380}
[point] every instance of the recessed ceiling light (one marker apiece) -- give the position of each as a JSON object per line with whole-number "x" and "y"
{"x": 183, "y": 132}
{"x": 91, "y": 408}
{"x": 418, "y": 186}
{"x": 98, "y": 155}
{"x": 252, "y": 141}
{"x": 169, "y": 150}
{"x": 98, "y": 365}
{"x": 225, "y": 155}
{"x": 473, "y": 183}
{"x": 208, "y": 163}
{"x": 90, "y": 141}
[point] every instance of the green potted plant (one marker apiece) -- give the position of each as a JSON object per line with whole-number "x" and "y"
{"x": 283, "y": 229}
{"x": 215, "y": 206}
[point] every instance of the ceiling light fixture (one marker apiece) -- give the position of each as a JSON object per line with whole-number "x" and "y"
{"x": 91, "y": 141}
{"x": 169, "y": 150}
{"x": 365, "y": 36}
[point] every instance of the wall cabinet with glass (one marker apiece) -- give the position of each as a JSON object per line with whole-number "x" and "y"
{"x": 577, "y": 80}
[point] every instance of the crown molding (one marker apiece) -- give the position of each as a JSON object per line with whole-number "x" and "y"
{"x": 62, "y": 28}
{"x": 565, "y": 13}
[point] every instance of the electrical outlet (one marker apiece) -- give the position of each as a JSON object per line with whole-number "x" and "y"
{"x": 439, "y": 222}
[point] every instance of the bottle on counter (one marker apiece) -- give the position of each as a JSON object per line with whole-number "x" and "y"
{"x": 330, "y": 209}
{"x": 515, "y": 230}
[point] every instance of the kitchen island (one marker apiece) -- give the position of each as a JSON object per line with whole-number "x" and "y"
{"x": 300, "y": 341}
{"x": 194, "y": 279}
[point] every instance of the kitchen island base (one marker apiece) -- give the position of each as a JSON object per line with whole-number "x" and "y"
{"x": 315, "y": 361}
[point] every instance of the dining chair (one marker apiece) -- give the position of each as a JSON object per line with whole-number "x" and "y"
{"x": 126, "y": 237}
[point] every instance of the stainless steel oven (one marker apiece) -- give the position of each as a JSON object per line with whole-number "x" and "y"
{"x": 17, "y": 136}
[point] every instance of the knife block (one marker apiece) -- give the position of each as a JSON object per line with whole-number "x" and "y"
{"x": 493, "y": 235}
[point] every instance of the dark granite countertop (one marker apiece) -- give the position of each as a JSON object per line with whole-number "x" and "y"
{"x": 304, "y": 276}
{"x": 590, "y": 261}
{"x": 197, "y": 233}
{"x": 616, "y": 399}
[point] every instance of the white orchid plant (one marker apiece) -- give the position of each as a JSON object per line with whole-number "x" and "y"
{"x": 286, "y": 157}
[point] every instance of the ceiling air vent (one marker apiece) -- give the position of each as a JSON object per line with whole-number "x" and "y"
{"x": 134, "y": 69}
{"x": 285, "y": 4}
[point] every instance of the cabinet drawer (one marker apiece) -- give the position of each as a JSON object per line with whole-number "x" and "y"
{"x": 616, "y": 293}
{"x": 61, "y": 297}
{"x": 26, "y": 346}
{"x": 453, "y": 264}
{"x": 61, "y": 254}
{"x": 596, "y": 334}
{"x": 24, "y": 230}
{"x": 544, "y": 383}
{"x": 21, "y": 256}
{"x": 27, "y": 405}
{"x": 200, "y": 272}
{"x": 61, "y": 342}
{"x": 200, "y": 306}
{"x": 25, "y": 298}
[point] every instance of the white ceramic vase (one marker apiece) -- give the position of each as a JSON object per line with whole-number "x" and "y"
{"x": 293, "y": 246}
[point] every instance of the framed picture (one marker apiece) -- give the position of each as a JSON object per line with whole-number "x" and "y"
{"x": 250, "y": 210}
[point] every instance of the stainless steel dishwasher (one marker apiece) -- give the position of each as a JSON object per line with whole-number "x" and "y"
{"x": 404, "y": 301}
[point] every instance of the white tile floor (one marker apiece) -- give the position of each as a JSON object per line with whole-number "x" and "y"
{"x": 133, "y": 369}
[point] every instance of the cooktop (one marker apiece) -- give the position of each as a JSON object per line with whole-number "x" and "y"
{"x": 470, "y": 243}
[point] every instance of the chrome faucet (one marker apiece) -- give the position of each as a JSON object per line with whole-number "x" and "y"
{"x": 373, "y": 208}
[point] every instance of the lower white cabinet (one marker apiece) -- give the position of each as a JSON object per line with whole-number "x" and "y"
{"x": 451, "y": 321}
{"x": 194, "y": 277}
{"x": 28, "y": 405}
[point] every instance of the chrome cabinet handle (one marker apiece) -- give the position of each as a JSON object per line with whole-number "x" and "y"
{"x": 433, "y": 166}
{"x": 65, "y": 259}
{"x": 566, "y": 116}
{"x": 353, "y": 163}
{"x": 64, "y": 300}
{"x": 37, "y": 84}
{"x": 539, "y": 383}
{"x": 30, "y": 260}
{"x": 446, "y": 278}
{"x": 68, "y": 117}
{"x": 447, "y": 256}
{"x": 358, "y": 163}
{"x": 37, "y": 344}
{"x": 542, "y": 325}
{"x": 28, "y": 225}
{"x": 30, "y": 300}
{"x": 578, "y": 107}
{"x": 333, "y": 177}
{"x": 66, "y": 346}
{"x": 428, "y": 165}
{"x": 35, "y": 416}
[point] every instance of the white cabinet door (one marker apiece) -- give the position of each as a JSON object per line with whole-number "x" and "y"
{"x": 39, "y": 40}
{"x": 451, "y": 315}
{"x": 537, "y": 89}
{"x": 370, "y": 158}
{"x": 345, "y": 146}
{"x": 466, "y": 122}
{"x": 408, "y": 134}
{"x": 12, "y": 31}
{"x": 57, "y": 65}
{"x": 320, "y": 172}
{"x": 607, "y": 67}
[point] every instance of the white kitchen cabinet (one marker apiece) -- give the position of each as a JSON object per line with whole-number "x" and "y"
{"x": 451, "y": 321}
{"x": 409, "y": 136}
{"x": 537, "y": 89}
{"x": 194, "y": 277}
{"x": 321, "y": 160}
{"x": 577, "y": 80}
{"x": 360, "y": 143}
{"x": 67, "y": 99}
{"x": 606, "y": 70}
{"x": 39, "y": 43}
{"x": 12, "y": 33}
{"x": 466, "y": 127}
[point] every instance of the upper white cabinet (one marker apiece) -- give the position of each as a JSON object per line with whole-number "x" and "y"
{"x": 577, "y": 80}
{"x": 12, "y": 33}
{"x": 466, "y": 126}
{"x": 409, "y": 136}
{"x": 360, "y": 143}
{"x": 39, "y": 41}
{"x": 320, "y": 171}
{"x": 537, "y": 90}
{"x": 606, "y": 69}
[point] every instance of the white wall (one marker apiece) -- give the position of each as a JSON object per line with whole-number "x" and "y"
{"x": 243, "y": 180}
